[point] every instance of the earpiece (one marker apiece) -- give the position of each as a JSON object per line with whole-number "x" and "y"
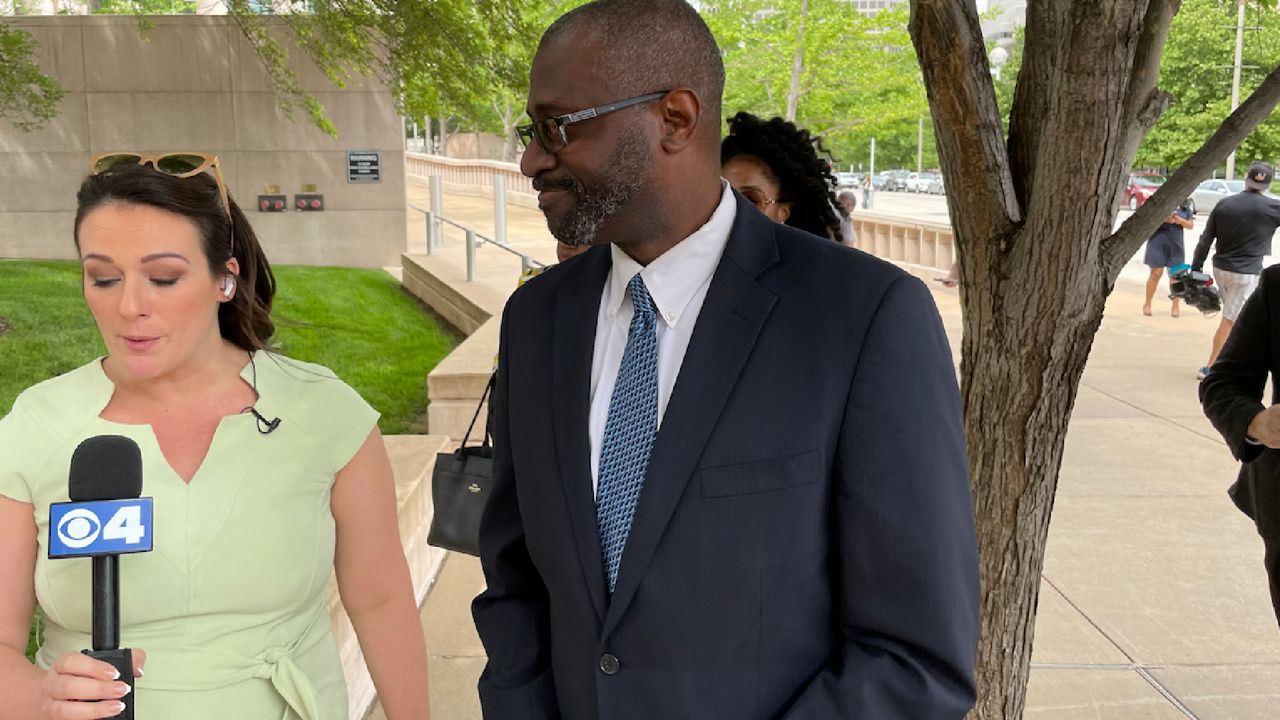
{"x": 228, "y": 287}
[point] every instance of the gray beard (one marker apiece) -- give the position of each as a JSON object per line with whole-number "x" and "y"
{"x": 629, "y": 166}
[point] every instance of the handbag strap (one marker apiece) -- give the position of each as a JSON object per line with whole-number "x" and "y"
{"x": 484, "y": 396}
{"x": 488, "y": 421}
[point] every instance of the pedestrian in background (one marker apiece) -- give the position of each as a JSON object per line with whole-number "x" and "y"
{"x": 1242, "y": 225}
{"x": 849, "y": 202}
{"x": 1166, "y": 249}
{"x": 775, "y": 165}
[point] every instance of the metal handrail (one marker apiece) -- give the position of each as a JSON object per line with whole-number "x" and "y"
{"x": 435, "y": 238}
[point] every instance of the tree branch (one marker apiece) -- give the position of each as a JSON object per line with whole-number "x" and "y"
{"x": 1144, "y": 103}
{"x": 1121, "y": 245}
{"x": 1043, "y": 48}
{"x": 966, "y": 120}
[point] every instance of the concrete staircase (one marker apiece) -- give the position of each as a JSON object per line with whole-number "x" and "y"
{"x": 412, "y": 459}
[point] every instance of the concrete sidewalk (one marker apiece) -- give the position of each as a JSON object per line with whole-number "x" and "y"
{"x": 1154, "y": 601}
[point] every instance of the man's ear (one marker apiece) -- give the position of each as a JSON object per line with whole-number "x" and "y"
{"x": 681, "y": 110}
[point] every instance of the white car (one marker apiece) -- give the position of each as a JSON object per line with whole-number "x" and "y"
{"x": 1209, "y": 192}
{"x": 913, "y": 182}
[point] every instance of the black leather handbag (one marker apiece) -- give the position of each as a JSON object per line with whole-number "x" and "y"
{"x": 460, "y": 486}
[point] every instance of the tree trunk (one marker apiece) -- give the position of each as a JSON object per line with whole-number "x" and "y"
{"x": 1037, "y": 259}
{"x": 797, "y": 64}
{"x": 508, "y": 115}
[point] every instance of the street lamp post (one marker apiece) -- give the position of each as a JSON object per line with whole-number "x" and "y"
{"x": 1235, "y": 81}
{"x": 999, "y": 56}
{"x": 869, "y": 185}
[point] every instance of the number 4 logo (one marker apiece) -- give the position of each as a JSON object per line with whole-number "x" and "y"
{"x": 126, "y": 525}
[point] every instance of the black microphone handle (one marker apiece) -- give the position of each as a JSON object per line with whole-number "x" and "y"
{"x": 106, "y": 602}
{"x": 106, "y": 626}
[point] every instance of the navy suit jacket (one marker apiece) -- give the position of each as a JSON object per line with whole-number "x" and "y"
{"x": 804, "y": 544}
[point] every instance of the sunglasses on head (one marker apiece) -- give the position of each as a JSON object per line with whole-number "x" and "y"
{"x": 177, "y": 164}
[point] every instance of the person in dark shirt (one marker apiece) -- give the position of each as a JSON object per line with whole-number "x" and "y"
{"x": 1165, "y": 249}
{"x": 1242, "y": 225}
{"x": 1235, "y": 401}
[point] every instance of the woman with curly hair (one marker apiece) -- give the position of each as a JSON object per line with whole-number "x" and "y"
{"x": 776, "y": 166}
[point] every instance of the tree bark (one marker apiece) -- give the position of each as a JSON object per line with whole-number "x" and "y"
{"x": 507, "y": 115}
{"x": 797, "y": 64}
{"x": 1037, "y": 257}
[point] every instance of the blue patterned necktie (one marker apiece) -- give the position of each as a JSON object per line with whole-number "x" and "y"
{"x": 628, "y": 432}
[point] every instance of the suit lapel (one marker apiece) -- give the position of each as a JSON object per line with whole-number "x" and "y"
{"x": 576, "y": 311}
{"x": 732, "y": 315}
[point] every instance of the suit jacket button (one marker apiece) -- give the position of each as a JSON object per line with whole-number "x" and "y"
{"x": 609, "y": 664}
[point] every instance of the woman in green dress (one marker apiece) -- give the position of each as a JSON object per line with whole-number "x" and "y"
{"x": 267, "y": 474}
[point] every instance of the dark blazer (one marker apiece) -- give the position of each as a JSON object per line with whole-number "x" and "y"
{"x": 804, "y": 543}
{"x": 1232, "y": 396}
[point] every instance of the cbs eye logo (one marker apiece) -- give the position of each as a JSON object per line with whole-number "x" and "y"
{"x": 79, "y": 528}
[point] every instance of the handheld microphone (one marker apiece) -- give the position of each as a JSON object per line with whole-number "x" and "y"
{"x": 105, "y": 518}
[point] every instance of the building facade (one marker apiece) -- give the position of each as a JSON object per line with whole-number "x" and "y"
{"x": 195, "y": 83}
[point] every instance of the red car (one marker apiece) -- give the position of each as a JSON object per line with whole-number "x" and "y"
{"x": 1141, "y": 186}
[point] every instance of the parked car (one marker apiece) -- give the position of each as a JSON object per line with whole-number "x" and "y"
{"x": 880, "y": 181}
{"x": 848, "y": 180}
{"x": 1208, "y": 193}
{"x": 936, "y": 185}
{"x": 1141, "y": 186}
{"x": 912, "y": 183}
{"x": 898, "y": 180}
{"x": 923, "y": 182}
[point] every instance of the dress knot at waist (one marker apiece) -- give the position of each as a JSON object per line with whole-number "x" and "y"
{"x": 292, "y": 684}
{"x": 169, "y": 669}
{"x": 195, "y": 669}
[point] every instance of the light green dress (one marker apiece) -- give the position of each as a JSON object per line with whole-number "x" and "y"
{"x": 230, "y": 606}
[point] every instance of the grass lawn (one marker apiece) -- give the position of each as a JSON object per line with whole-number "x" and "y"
{"x": 357, "y": 322}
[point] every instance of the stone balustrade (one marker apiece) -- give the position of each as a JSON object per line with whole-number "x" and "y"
{"x": 471, "y": 177}
{"x": 903, "y": 240}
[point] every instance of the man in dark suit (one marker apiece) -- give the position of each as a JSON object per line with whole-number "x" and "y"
{"x": 730, "y": 477}
{"x": 1232, "y": 398}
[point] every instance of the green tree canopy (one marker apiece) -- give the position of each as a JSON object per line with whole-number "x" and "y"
{"x": 437, "y": 57}
{"x": 857, "y": 76}
{"x": 1196, "y": 70}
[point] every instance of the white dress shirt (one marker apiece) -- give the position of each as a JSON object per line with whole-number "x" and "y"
{"x": 677, "y": 282}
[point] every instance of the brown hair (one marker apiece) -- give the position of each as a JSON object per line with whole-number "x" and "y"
{"x": 245, "y": 320}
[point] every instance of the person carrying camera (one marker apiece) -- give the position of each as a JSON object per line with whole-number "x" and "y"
{"x": 1242, "y": 225}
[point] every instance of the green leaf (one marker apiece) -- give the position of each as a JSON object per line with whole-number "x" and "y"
{"x": 28, "y": 98}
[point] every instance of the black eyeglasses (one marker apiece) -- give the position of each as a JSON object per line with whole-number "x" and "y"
{"x": 549, "y": 133}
